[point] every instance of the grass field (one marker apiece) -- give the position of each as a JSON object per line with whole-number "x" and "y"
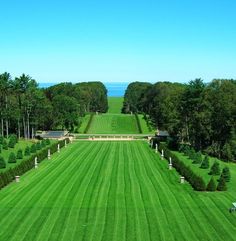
{"x": 113, "y": 124}
{"x": 111, "y": 191}
{"x": 115, "y": 104}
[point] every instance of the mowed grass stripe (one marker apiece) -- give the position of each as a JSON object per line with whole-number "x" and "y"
{"x": 19, "y": 227}
{"x": 101, "y": 221}
{"x": 141, "y": 225}
{"x": 119, "y": 232}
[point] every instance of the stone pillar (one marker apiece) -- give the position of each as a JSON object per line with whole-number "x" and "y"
{"x": 170, "y": 166}
{"x": 49, "y": 154}
{"x": 65, "y": 143}
{"x": 156, "y": 148}
{"x": 17, "y": 178}
{"x": 58, "y": 147}
{"x": 36, "y": 162}
{"x": 170, "y": 160}
{"x": 182, "y": 180}
{"x": 162, "y": 153}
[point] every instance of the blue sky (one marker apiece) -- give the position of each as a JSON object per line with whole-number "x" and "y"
{"x": 171, "y": 40}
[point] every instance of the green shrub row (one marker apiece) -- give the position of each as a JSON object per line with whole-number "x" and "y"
{"x": 196, "y": 181}
{"x": 9, "y": 175}
{"x": 89, "y": 123}
{"x": 138, "y": 123}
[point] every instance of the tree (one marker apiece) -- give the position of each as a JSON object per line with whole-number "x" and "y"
{"x": 215, "y": 169}
{"x": 38, "y": 146}
{"x": 5, "y": 145}
{"x": 2, "y": 163}
{"x": 11, "y": 143}
{"x": 222, "y": 184}
{"x": 205, "y": 162}
{"x": 19, "y": 154}
{"x": 197, "y": 158}
{"x": 211, "y": 185}
{"x": 27, "y": 151}
{"x": 12, "y": 158}
{"x": 227, "y": 153}
{"x": 226, "y": 174}
{"x": 47, "y": 142}
{"x": 33, "y": 148}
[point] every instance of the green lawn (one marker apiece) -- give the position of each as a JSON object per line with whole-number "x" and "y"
{"x": 84, "y": 122}
{"x": 144, "y": 126}
{"x": 113, "y": 124}
{"x": 111, "y": 191}
{"x": 115, "y": 104}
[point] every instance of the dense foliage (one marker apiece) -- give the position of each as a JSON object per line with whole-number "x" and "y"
{"x": 25, "y": 108}
{"x": 202, "y": 115}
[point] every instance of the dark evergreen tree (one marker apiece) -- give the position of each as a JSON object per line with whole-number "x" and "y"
{"x": 205, "y": 163}
{"x": 211, "y": 185}
{"x": 19, "y": 154}
{"x": 27, "y": 151}
{"x": 38, "y": 146}
{"x": 215, "y": 169}
{"x": 226, "y": 174}
{"x": 33, "y": 148}
{"x": 12, "y": 158}
{"x": 5, "y": 145}
{"x": 2, "y": 162}
{"x": 222, "y": 184}
{"x": 197, "y": 158}
{"x": 12, "y": 142}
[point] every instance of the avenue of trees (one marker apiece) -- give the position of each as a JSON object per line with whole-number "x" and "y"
{"x": 199, "y": 114}
{"x": 25, "y": 108}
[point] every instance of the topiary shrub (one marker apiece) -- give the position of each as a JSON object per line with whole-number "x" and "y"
{"x": 1, "y": 140}
{"x": 222, "y": 184}
{"x": 197, "y": 158}
{"x": 2, "y": 162}
{"x": 215, "y": 169}
{"x": 0, "y": 148}
{"x": 12, "y": 158}
{"x": 211, "y": 186}
{"x": 11, "y": 143}
{"x": 33, "y": 148}
{"x": 191, "y": 153}
{"x": 27, "y": 151}
{"x": 43, "y": 143}
{"x": 19, "y": 154}
{"x": 38, "y": 146}
{"x": 48, "y": 142}
{"x": 5, "y": 145}
{"x": 205, "y": 163}
{"x": 226, "y": 174}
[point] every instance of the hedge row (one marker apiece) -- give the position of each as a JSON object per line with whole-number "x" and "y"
{"x": 196, "y": 181}
{"x": 89, "y": 123}
{"x": 9, "y": 175}
{"x": 138, "y": 123}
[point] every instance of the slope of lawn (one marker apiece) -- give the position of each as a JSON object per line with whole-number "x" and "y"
{"x": 84, "y": 122}
{"x": 115, "y": 104}
{"x": 144, "y": 126}
{"x": 111, "y": 191}
{"x": 113, "y": 124}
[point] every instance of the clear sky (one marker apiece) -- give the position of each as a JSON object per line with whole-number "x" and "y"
{"x": 124, "y": 40}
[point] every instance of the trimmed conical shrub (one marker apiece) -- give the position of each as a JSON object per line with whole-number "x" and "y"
{"x": 38, "y": 146}
{"x": 33, "y": 148}
{"x": 215, "y": 169}
{"x": 226, "y": 174}
{"x": 197, "y": 158}
{"x": 222, "y": 185}
{"x": 12, "y": 142}
{"x": 48, "y": 142}
{"x": 211, "y": 186}
{"x": 2, "y": 162}
{"x": 27, "y": 151}
{"x": 5, "y": 145}
{"x": 19, "y": 154}
{"x": 12, "y": 158}
{"x": 205, "y": 163}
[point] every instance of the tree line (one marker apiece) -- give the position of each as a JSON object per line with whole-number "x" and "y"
{"x": 25, "y": 108}
{"x": 200, "y": 114}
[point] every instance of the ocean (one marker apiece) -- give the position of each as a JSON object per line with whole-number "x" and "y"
{"x": 115, "y": 89}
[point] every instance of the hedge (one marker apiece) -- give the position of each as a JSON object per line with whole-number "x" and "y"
{"x": 138, "y": 123}
{"x": 9, "y": 175}
{"x": 196, "y": 181}
{"x": 89, "y": 123}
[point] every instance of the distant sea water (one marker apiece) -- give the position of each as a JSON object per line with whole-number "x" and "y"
{"x": 115, "y": 89}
